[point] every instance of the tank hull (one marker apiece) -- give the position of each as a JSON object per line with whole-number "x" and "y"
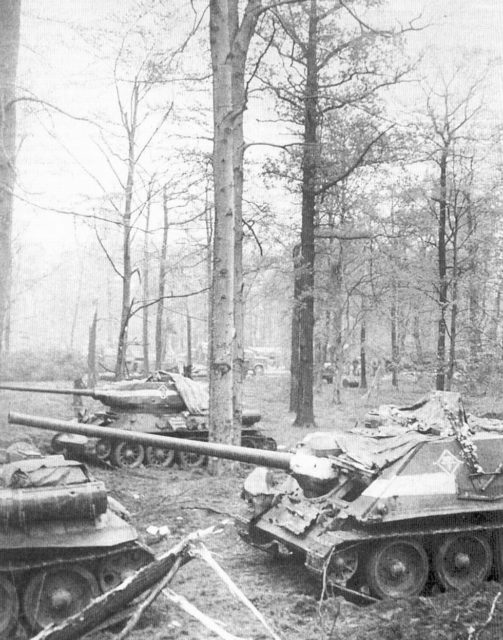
{"x": 385, "y": 517}
{"x": 433, "y": 517}
{"x": 61, "y": 543}
{"x": 179, "y": 426}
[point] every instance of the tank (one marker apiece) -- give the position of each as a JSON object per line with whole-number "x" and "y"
{"x": 63, "y": 541}
{"x": 373, "y": 517}
{"x": 166, "y": 403}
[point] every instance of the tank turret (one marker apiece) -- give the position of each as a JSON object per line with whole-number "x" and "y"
{"x": 374, "y": 517}
{"x": 166, "y": 403}
{"x": 63, "y": 539}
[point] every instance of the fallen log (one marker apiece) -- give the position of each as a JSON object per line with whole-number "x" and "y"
{"x": 144, "y": 604}
{"x": 107, "y": 605}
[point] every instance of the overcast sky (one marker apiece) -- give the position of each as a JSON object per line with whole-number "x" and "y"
{"x": 59, "y": 66}
{"x": 74, "y": 73}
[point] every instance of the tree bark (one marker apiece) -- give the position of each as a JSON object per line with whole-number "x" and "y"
{"x": 442, "y": 273}
{"x": 120, "y": 366}
{"x": 145, "y": 281}
{"x": 240, "y": 38}
{"x": 475, "y": 333}
{"x": 295, "y": 336}
{"x": 454, "y": 303}
{"x": 363, "y": 354}
{"x": 159, "y": 350}
{"x": 221, "y": 427}
{"x": 91, "y": 352}
{"x": 9, "y": 50}
{"x": 305, "y": 409}
{"x": 188, "y": 367}
{"x": 395, "y": 353}
{"x": 416, "y": 334}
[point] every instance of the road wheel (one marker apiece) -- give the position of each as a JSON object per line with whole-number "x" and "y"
{"x": 57, "y": 446}
{"x": 397, "y": 569}
{"x": 128, "y": 455}
{"x": 9, "y": 608}
{"x": 103, "y": 449}
{"x": 117, "y": 568}
{"x": 160, "y": 457}
{"x": 343, "y": 566}
{"x": 498, "y": 554}
{"x": 56, "y": 594}
{"x": 258, "y": 369}
{"x": 190, "y": 460}
{"x": 463, "y": 560}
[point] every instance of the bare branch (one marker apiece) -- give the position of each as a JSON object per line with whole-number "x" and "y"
{"x": 169, "y": 297}
{"x": 109, "y": 258}
{"x": 332, "y": 183}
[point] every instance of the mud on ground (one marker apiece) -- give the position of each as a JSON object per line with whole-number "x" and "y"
{"x": 280, "y": 589}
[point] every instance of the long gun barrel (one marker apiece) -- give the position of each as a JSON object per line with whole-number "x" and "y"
{"x": 64, "y": 392}
{"x": 273, "y": 459}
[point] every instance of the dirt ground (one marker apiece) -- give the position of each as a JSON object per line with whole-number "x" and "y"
{"x": 287, "y": 597}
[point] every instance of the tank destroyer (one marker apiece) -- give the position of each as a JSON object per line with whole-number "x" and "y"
{"x": 165, "y": 403}
{"x": 385, "y": 517}
{"x": 63, "y": 539}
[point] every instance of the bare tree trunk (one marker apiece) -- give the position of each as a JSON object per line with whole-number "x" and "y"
{"x": 76, "y": 309}
{"x": 295, "y": 336}
{"x": 442, "y": 274}
{"x": 305, "y": 410}
{"x": 221, "y": 427}
{"x": 394, "y": 338}
{"x": 91, "y": 352}
{"x": 338, "y": 356}
{"x": 454, "y": 304}
{"x": 495, "y": 316}
{"x": 159, "y": 344}
{"x": 416, "y": 333}
{"x": 120, "y": 365}
{"x": 9, "y": 49}
{"x": 363, "y": 354}
{"x": 188, "y": 367}
{"x": 209, "y": 269}
{"x": 238, "y": 105}
{"x": 475, "y": 333}
{"x": 240, "y": 37}
{"x": 145, "y": 281}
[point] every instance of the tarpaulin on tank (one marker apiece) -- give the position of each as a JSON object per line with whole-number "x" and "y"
{"x": 51, "y": 471}
{"x": 433, "y": 413}
{"x": 373, "y": 454}
{"x": 194, "y": 394}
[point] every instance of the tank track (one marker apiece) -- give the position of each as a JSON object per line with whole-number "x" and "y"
{"x": 23, "y": 582}
{"x": 130, "y": 456}
{"x": 453, "y": 555}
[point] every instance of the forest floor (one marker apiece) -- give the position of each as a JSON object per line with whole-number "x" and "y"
{"x": 288, "y": 598}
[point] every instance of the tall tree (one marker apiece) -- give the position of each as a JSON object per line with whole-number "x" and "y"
{"x": 9, "y": 49}
{"x": 450, "y": 115}
{"x": 230, "y": 39}
{"x": 159, "y": 343}
{"x": 222, "y": 307}
{"x": 334, "y": 64}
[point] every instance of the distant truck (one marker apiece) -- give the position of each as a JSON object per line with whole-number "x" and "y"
{"x": 257, "y": 360}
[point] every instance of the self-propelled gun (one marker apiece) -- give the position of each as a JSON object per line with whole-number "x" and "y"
{"x": 383, "y": 517}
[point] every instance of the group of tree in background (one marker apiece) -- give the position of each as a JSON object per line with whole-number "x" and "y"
{"x": 389, "y": 249}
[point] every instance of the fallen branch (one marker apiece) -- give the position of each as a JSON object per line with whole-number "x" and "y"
{"x": 102, "y": 608}
{"x": 475, "y": 633}
{"x": 150, "y": 599}
{"x": 201, "y": 617}
{"x": 199, "y": 550}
